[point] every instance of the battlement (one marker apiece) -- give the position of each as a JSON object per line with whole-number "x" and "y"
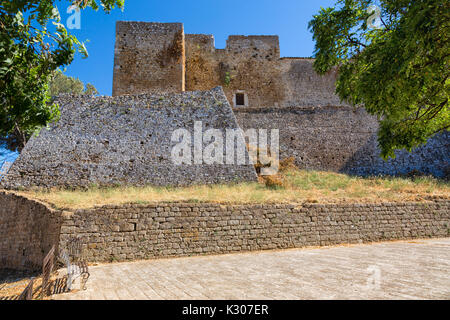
{"x": 235, "y": 43}
{"x": 140, "y": 28}
{"x": 203, "y": 42}
{"x": 238, "y": 43}
{"x": 159, "y": 57}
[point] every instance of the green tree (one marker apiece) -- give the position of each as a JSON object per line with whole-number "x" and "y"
{"x": 399, "y": 71}
{"x": 60, "y": 83}
{"x": 30, "y": 52}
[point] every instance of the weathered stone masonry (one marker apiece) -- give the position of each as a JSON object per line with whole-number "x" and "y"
{"x": 117, "y": 233}
{"x": 317, "y": 129}
{"x": 139, "y": 43}
{"x": 153, "y": 57}
{"x": 28, "y": 228}
{"x": 126, "y": 140}
{"x": 342, "y": 139}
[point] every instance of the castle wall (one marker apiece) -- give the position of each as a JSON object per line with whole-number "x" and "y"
{"x": 319, "y": 130}
{"x": 28, "y": 229}
{"x": 149, "y": 57}
{"x": 304, "y": 87}
{"x": 252, "y": 65}
{"x": 342, "y": 139}
{"x": 202, "y": 68}
{"x": 126, "y": 140}
{"x": 173, "y": 229}
{"x": 248, "y": 63}
{"x": 160, "y": 230}
{"x": 158, "y": 57}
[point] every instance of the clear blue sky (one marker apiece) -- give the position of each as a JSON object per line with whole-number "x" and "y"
{"x": 286, "y": 18}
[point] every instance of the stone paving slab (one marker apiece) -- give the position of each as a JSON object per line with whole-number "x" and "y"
{"x": 417, "y": 269}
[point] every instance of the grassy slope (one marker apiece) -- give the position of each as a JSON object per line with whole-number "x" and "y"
{"x": 297, "y": 187}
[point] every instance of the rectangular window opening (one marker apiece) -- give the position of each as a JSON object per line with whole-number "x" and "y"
{"x": 240, "y": 99}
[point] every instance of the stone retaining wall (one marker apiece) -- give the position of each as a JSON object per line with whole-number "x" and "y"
{"x": 119, "y": 233}
{"x": 28, "y": 228}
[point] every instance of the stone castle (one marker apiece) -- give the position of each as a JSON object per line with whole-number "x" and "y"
{"x": 265, "y": 91}
{"x": 165, "y": 79}
{"x": 155, "y": 57}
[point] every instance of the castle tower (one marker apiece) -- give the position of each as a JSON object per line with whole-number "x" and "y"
{"x": 149, "y": 57}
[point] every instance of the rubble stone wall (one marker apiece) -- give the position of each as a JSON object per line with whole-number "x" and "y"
{"x": 28, "y": 230}
{"x": 343, "y": 139}
{"x": 130, "y": 232}
{"x": 128, "y": 140}
{"x": 111, "y": 233}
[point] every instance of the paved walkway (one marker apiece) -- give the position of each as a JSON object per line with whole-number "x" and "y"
{"x": 417, "y": 269}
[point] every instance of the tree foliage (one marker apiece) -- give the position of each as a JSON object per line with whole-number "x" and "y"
{"x": 33, "y": 44}
{"x": 60, "y": 83}
{"x": 399, "y": 71}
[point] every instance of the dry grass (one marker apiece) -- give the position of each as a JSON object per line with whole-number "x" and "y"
{"x": 297, "y": 186}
